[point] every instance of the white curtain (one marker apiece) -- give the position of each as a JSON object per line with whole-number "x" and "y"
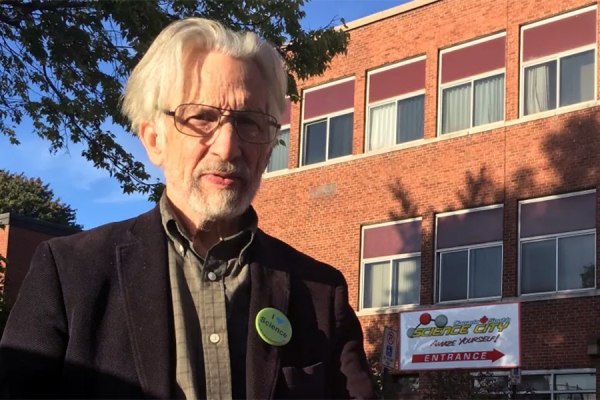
{"x": 376, "y": 285}
{"x": 577, "y": 78}
{"x": 540, "y": 88}
{"x": 488, "y": 100}
{"x": 407, "y": 279}
{"x": 456, "y": 108}
{"x": 411, "y": 116}
{"x": 279, "y": 157}
{"x": 382, "y": 129}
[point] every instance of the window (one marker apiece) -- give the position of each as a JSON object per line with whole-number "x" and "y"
{"x": 472, "y": 84}
{"x": 279, "y": 157}
{"x": 559, "y": 62}
{"x": 328, "y": 122}
{"x": 396, "y": 104}
{"x": 469, "y": 254}
{"x": 558, "y": 243}
{"x": 554, "y": 385}
{"x": 391, "y": 264}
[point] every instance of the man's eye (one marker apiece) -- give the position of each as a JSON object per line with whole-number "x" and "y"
{"x": 208, "y": 117}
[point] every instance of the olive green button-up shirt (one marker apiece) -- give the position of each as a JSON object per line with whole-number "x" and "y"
{"x": 211, "y": 297}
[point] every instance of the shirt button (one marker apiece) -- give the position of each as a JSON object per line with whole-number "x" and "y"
{"x": 181, "y": 249}
{"x": 214, "y": 338}
{"x": 212, "y": 276}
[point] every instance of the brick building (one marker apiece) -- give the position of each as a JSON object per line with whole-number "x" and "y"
{"x": 18, "y": 241}
{"x": 452, "y": 158}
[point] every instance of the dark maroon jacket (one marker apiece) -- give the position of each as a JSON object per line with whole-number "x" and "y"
{"x": 93, "y": 319}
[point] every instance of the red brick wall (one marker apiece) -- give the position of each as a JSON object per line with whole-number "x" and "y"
{"x": 522, "y": 160}
{"x": 3, "y": 242}
{"x": 21, "y": 246}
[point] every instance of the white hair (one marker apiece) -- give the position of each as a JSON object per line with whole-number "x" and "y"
{"x": 159, "y": 74}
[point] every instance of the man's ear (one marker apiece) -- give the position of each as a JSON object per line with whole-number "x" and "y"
{"x": 153, "y": 143}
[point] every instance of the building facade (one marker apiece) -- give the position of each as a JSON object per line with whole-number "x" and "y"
{"x": 452, "y": 158}
{"x": 19, "y": 238}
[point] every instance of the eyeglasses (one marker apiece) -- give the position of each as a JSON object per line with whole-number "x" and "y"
{"x": 200, "y": 120}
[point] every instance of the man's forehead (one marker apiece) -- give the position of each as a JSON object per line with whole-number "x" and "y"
{"x": 222, "y": 81}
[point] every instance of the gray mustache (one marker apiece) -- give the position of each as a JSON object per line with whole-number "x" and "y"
{"x": 239, "y": 169}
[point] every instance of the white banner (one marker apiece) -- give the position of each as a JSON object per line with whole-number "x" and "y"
{"x": 473, "y": 337}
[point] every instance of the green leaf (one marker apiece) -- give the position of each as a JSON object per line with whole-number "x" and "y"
{"x": 63, "y": 65}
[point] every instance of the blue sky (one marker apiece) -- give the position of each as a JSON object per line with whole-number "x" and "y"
{"x": 97, "y": 197}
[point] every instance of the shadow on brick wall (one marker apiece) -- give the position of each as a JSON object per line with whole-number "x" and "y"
{"x": 572, "y": 162}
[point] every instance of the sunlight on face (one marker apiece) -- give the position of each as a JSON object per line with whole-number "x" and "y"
{"x": 217, "y": 176}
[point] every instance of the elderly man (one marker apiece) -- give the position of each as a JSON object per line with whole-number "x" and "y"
{"x": 190, "y": 300}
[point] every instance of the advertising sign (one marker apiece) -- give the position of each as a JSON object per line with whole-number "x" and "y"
{"x": 390, "y": 343}
{"x": 473, "y": 337}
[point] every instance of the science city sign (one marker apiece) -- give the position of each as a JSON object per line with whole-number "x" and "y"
{"x": 473, "y": 337}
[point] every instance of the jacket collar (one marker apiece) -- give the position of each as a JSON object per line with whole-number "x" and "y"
{"x": 270, "y": 287}
{"x": 143, "y": 273}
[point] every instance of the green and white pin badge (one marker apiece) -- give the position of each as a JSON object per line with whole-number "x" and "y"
{"x": 273, "y": 327}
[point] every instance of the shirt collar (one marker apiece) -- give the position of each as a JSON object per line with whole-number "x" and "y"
{"x": 174, "y": 230}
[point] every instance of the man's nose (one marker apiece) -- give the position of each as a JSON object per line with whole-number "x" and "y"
{"x": 225, "y": 142}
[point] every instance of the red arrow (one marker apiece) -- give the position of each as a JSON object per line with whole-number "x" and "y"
{"x": 492, "y": 355}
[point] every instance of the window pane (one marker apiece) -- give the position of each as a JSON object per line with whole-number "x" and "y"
{"x": 538, "y": 266}
{"x": 314, "y": 142}
{"x": 575, "y": 396}
{"x": 407, "y": 279}
{"x": 573, "y": 382}
{"x": 488, "y": 100}
{"x": 540, "y": 88}
{"x": 279, "y": 157}
{"x": 485, "y": 275}
{"x": 411, "y": 119}
{"x": 456, "y": 108}
{"x": 376, "y": 288}
{"x": 533, "y": 396}
{"x": 577, "y": 78}
{"x": 453, "y": 275}
{"x": 340, "y": 135}
{"x": 382, "y": 126}
{"x": 535, "y": 383}
{"x": 577, "y": 262}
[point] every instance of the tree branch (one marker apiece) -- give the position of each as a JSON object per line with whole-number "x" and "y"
{"x": 15, "y": 23}
{"x": 47, "y": 5}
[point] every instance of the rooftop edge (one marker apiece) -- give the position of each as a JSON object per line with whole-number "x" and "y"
{"x": 33, "y": 224}
{"x": 378, "y": 16}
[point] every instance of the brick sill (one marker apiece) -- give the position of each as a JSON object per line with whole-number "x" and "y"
{"x": 447, "y": 136}
{"x": 522, "y": 299}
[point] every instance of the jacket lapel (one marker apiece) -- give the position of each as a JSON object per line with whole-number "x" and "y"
{"x": 143, "y": 273}
{"x": 270, "y": 287}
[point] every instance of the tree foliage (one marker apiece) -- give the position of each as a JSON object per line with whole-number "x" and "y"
{"x": 63, "y": 64}
{"x": 32, "y": 198}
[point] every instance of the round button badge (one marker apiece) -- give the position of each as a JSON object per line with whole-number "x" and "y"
{"x": 273, "y": 327}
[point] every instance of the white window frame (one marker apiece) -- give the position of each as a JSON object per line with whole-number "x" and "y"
{"x": 471, "y": 80}
{"x": 554, "y": 57}
{"x": 321, "y": 118}
{"x": 468, "y": 249}
{"x": 267, "y": 172}
{"x": 555, "y": 236}
{"x": 390, "y": 259}
{"x": 553, "y": 372}
{"x": 437, "y": 258}
{"x": 394, "y": 100}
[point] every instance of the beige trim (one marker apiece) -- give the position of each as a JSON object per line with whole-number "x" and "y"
{"x": 401, "y": 9}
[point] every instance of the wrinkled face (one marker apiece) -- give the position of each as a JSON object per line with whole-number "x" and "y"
{"x": 218, "y": 176}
